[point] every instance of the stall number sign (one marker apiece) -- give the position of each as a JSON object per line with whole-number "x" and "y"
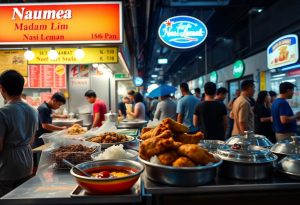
{"x": 238, "y": 69}
{"x": 182, "y": 32}
{"x": 61, "y": 23}
{"x": 283, "y": 51}
{"x": 213, "y": 77}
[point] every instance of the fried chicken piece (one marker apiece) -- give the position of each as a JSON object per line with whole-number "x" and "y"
{"x": 174, "y": 126}
{"x": 154, "y": 146}
{"x": 146, "y": 135}
{"x": 158, "y": 130}
{"x": 196, "y": 153}
{"x": 146, "y": 129}
{"x": 183, "y": 162}
{"x": 167, "y": 158}
{"x": 189, "y": 138}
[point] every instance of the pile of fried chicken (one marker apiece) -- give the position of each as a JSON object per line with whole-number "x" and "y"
{"x": 173, "y": 146}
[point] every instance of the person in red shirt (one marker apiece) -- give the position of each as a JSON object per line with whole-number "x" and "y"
{"x": 99, "y": 108}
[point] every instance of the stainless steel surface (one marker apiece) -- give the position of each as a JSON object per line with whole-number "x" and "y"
{"x": 130, "y": 151}
{"x": 290, "y": 166}
{"x": 245, "y": 154}
{"x": 223, "y": 185}
{"x": 183, "y": 176}
{"x": 246, "y": 162}
{"x": 53, "y": 187}
{"x": 211, "y": 145}
{"x": 249, "y": 138}
{"x": 289, "y": 146}
{"x": 67, "y": 122}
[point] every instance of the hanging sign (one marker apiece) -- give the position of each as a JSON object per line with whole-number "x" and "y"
{"x": 238, "y": 69}
{"x": 138, "y": 81}
{"x": 13, "y": 59}
{"x": 213, "y": 77}
{"x": 67, "y": 56}
{"x": 283, "y": 51}
{"x": 182, "y": 32}
{"x": 61, "y": 23}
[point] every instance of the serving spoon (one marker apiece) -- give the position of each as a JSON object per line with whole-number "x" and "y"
{"x": 73, "y": 166}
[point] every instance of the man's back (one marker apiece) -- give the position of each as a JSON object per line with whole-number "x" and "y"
{"x": 100, "y": 107}
{"x": 166, "y": 108}
{"x": 242, "y": 112}
{"x": 211, "y": 119}
{"x": 186, "y": 106}
{"x": 280, "y": 107}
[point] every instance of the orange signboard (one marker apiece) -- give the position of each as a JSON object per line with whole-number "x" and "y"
{"x": 61, "y": 23}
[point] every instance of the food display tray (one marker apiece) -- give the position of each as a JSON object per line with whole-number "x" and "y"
{"x": 132, "y": 196}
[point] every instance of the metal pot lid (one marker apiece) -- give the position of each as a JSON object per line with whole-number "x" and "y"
{"x": 290, "y": 165}
{"x": 245, "y": 154}
{"x": 287, "y": 146}
{"x": 250, "y": 139}
{"x": 211, "y": 144}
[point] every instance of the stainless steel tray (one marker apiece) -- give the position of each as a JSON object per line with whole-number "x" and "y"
{"x": 132, "y": 196}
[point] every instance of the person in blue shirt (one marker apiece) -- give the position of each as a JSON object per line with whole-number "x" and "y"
{"x": 284, "y": 120}
{"x": 186, "y": 108}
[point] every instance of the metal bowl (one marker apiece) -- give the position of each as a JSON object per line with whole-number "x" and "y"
{"x": 246, "y": 162}
{"x": 257, "y": 140}
{"x": 290, "y": 166}
{"x": 211, "y": 145}
{"x": 286, "y": 147}
{"x": 108, "y": 185}
{"x": 181, "y": 176}
{"x": 132, "y": 124}
{"x": 130, "y": 151}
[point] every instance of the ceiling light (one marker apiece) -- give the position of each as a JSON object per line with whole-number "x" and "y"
{"x": 52, "y": 54}
{"x": 154, "y": 76}
{"x": 79, "y": 54}
{"x": 152, "y": 81}
{"x": 279, "y": 75}
{"x": 29, "y": 55}
{"x": 273, "y": 71}
{"x": 290, "y": 80}
{"x": 200, "y": 57}
{"x": 273, "y": 79}
{"x": 162, "y": 61}
{"x": 259, "y": 10}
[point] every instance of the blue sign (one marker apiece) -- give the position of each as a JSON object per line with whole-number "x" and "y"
{"x": 138, "y": 81}
{"x": 182, "y": 32}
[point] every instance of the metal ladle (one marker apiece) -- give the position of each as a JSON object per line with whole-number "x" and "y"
{"x": 73, "y": 166}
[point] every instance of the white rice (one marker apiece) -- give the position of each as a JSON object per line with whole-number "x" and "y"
{"x": 114, "y": 152}
{"x": 155, "y": 160}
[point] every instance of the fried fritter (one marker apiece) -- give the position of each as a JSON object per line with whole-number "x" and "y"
{"x": 196, "y": 153}
{"x": 183, "y": 162}
{"x": 167, "y": 158}
{"x": 189, "y": 138}
{"x": 174, "y": 126}
{"x": 154, "y": 146}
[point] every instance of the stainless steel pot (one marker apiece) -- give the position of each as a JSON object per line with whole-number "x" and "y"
{"x": 287, "y": 147}
{"x": 290, "y": 166}
{"x": 111, "y": 117}
{"x": 132, "y": 124}
{"x": 86, "y": 119}
{"x": 246, "y": 162}
{"x": 181, "y": 176}
{"x": 251, "y": 139}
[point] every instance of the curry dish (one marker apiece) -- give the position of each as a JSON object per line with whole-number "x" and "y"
{"x": 108, "y": 137}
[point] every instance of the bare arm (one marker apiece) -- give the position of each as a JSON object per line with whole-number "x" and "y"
{"x": 243, "y": 126}
{"x": 52, "y": 127}
{"x": 59, "y": 116}
{"x": 287, "y": 119}
{"x": 195, "y": 120}
{"x": 96, "y": 119}
{"x": 135, "y": 113}
{"x": 265, "y": 119}
{"x": 179, "y": 118}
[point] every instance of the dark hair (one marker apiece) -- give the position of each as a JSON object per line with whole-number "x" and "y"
{"x": 131, "y": 92}
{"x": 222, "y": 90}
{"x": 284, "y": 87}
{"x": 90, "y": 93}
{"x": 138, "y": 97}
{"x": 13, "y": 82}
{"x": 261, "y": 97}
{"x": 197, "y": 90}
{"x": 246, "y": 84}
{"x": 210, "y": 88}
{"x": 272, "y": 93}
{"x": 184, "y": 86}
{"x": 59, "y": 97}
